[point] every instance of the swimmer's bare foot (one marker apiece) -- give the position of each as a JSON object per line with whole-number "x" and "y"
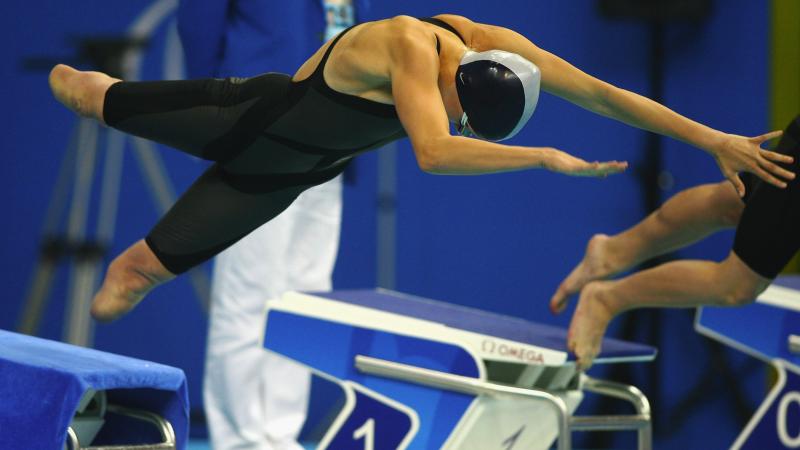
{"x": 598, "y": 263}
{"x": 130, "y": 277}
{"x": 589, "y": 323}
{"x": 82, "y": 92}
{"x": 109, "y": 306}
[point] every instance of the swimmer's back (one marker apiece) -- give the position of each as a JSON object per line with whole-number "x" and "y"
{"x": 360, "y": 63}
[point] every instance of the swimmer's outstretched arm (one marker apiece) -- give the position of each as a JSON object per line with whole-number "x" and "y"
{"x": 414, "y": 71}
{"x": 733, "y": 153}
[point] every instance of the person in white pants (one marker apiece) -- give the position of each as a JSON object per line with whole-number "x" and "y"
{"x": 255, "y": 399}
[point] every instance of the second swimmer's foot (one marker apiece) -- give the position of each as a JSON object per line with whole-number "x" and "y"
{"x": 596, "y": 265}
{"x": 588, "y": 325}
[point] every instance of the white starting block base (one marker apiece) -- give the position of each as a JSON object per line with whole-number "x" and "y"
{"x": 522, "y": 422}
{"x": 421, "y": 374}
{"x": 767, "y": 330}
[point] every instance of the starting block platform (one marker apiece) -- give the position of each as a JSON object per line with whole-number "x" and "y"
{"x": 421, "y": 374}
{"x": 55, "y": 396}
{"x": 769, "y": 330}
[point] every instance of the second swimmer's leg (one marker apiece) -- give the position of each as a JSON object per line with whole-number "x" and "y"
{"x": 677, "y": 284}
{"x": 766, "y": 239}
{"x": 687, "y": 217}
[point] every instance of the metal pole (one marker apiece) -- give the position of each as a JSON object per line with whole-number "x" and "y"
{"x": 466, "y": 385}
{"x": 632, "y": 395}
{"x": 52, "y": 247}
{"x": 109, "y": 193}
{"x": 80, "y": 289}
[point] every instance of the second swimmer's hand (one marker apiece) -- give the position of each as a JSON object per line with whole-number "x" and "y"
{"x": 737, "y": 154}
{"x": 557, "y": 161}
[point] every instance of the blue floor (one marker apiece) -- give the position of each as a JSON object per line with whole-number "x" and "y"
{"x": 198, "y": 445}
{"x": 204, "y": 445}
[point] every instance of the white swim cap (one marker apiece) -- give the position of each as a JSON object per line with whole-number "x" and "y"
{"x": 498, "y": 91}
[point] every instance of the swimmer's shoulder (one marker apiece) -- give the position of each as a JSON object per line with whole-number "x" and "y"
{"x": 478, "y": 36}
{"x": 402, "y": 25}
{"x": 402, "y": 31}
{"x": 458, "y": 22}
{"x": 467, "y": 28}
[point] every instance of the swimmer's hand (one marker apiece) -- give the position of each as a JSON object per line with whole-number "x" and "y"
{"x": 561, "y": 162}
{"x": 736, "y": 154}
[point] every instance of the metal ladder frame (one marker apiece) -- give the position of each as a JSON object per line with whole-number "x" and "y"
{"x": 639, "y": 422}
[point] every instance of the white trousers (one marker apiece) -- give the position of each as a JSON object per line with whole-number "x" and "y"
{"x": 255, "y": 399}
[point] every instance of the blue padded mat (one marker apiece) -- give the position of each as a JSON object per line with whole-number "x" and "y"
{"x": 42, "y": 382}
{"x": 759, "y": 327}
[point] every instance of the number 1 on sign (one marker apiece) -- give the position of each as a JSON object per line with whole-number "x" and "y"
{"x": 367, "y": 431}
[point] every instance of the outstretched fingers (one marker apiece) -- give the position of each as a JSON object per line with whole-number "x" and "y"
{"x": 562, "y": 162}
{"x": 776, "y": 170}
{"x": 612, "y": 167}
{"x": 776, "y": 157}
{"x": 599, "y": 169}
{"x": 768, "y": 136}
{"x": 768, "y": 175}
{"x": 766, "y": 160}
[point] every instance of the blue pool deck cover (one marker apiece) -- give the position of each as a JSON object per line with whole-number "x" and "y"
{"x": 42, "y": 382}
{"x": 761, "y": 328}
{"x": 482, "y": 322}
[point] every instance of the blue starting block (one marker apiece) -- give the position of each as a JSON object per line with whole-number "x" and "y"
{"x": 55, "y": 396}
{"x": 769, "y": 330}
{"x": 421, "y": 374}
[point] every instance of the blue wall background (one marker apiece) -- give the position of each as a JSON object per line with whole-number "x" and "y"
{"x": 498, "y": 242}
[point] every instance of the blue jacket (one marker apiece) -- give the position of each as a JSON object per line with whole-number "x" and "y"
{"x": 248, "y": 37}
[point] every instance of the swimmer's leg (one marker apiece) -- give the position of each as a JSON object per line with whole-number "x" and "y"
{"x": 685, "y": 218}
{"x": 213, "y": 119}
{"x": 678, "y": 284}
{"x": 216, "y": 211}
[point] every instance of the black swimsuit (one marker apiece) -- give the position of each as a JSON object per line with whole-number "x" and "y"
{"x": 271, "y": 139}
{"x": 768, "y": 235}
